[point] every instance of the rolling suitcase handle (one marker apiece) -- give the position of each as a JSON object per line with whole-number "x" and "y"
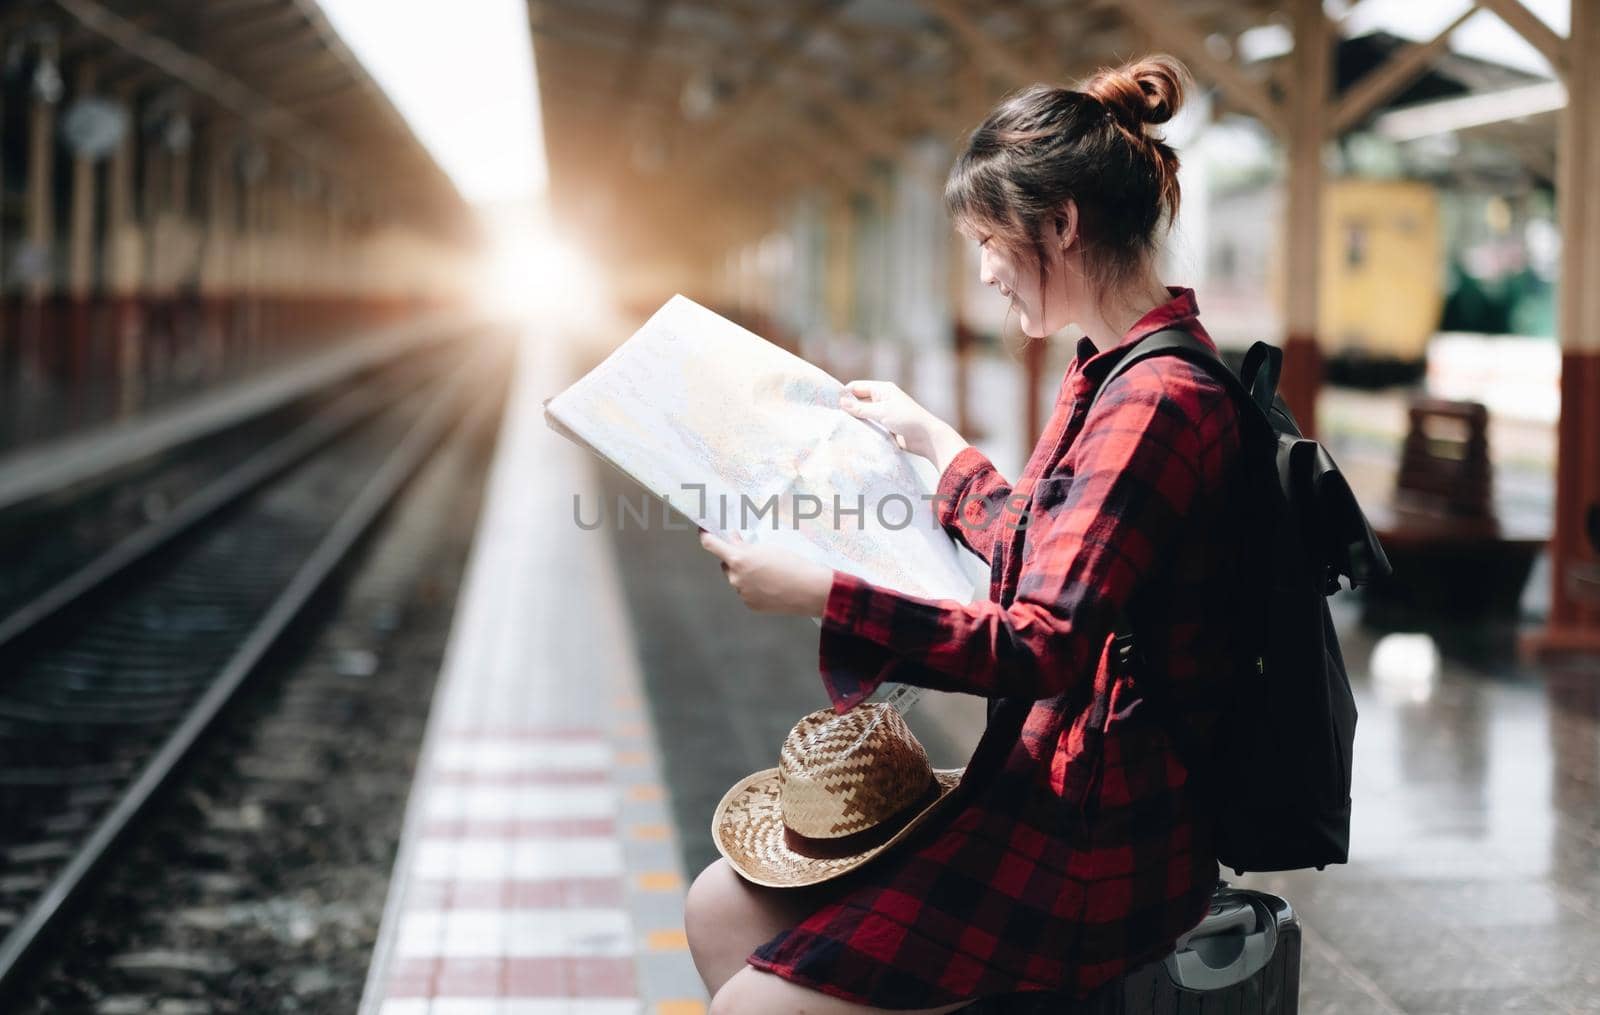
{"x": 1233, "y": 943}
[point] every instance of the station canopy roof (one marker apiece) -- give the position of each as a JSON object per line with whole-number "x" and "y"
{"x": 662, "y": 117}
{"x": 278, "y": 69}
{"x": 671, "y": 123}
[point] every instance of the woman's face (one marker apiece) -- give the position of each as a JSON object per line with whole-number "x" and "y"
{"x": 1018, "y": 281}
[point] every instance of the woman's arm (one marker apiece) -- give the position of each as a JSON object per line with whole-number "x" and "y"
{"x": 970, "y": 494}
{"x": 970, "y": 490}
{"x": 1101, "y": 521}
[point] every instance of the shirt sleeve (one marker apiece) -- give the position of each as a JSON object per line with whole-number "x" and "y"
{"x": 969, "y": 498}
{"x": 1100, "y": 521}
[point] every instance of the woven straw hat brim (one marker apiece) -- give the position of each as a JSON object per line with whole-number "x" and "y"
{"x": 747, "y": 827}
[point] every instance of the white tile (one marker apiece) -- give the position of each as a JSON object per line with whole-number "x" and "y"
{"x": 474, "y": 932}
{"x": 610, "y": 1006}
{"x": 419, "y": 933}
{"x": 546, "y": 932}
{"x": 494, "y": 756}
{"x": 474, "y": 859}
{"x": 532, "y": 859}
{"x": 500, "y": 859}
{"x": 405, "y": 1006}
{"x": 526, "y": 1006}
{"x": 519, "y": 933}
{"x": 524, "y": 803}
{"x": 465, "y": 1006}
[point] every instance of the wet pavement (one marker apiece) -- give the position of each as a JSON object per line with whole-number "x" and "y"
{"x": 1474, "y": 878}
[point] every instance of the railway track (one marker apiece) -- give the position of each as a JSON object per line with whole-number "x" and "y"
{"x": 121, "y": 652}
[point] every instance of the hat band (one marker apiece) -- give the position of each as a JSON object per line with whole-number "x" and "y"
{"x": 826, "y": 848}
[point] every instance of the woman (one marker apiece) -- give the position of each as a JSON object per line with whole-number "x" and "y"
{"x": 1077, "y": 850}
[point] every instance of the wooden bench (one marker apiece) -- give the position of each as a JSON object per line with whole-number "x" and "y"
{"x": 1452, "y": 557}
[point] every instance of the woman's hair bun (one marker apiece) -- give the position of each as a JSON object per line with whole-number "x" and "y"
{"x": 1144, "y": 91}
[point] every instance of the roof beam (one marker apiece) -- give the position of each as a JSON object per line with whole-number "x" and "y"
{"x": 194, "y": 73}
{"x": 997, "y": 59}
{"x": 250, "y": 23}
{"x": 1382, "y": 83}
{"x": 641, "y": 47}
{"x": 1533, "y": 30}
{"x": 1170, "y": 30}
{"x": 813, "y": 15}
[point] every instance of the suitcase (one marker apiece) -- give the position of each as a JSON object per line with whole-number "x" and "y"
{"x": 1244, "y": 957}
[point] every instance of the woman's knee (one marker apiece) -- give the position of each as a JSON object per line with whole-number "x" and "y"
{"x": 713, "y": 897}
{"x": 723, "y": 920}
{"x": 720, "y": 899}
{"x": 752, "y": 991}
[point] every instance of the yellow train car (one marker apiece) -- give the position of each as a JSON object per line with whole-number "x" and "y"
{"x": 1382, "y": 284}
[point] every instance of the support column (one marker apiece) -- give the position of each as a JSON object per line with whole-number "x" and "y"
{"x": 1302, "y": 220}
{"x": 961, "y": 337}
{"x": 123, "y": 268}
{"x": 6, "y": 336}
{"x": 1033, "y": 355}
{"x": 218, "y": 233}
{"x": 80, "y": 251}
{"x": 1574, "y": 621}
{"x": 840, "y": 280}
{"x": 154, "y": 298}
{"x": 39, "y": 229}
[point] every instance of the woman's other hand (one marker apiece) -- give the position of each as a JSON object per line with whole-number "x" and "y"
{"x": 914, "y": 428}
{"x": 771, "y": 579}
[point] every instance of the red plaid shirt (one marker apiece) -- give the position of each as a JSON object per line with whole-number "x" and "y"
{"x": 1073, "y": 850}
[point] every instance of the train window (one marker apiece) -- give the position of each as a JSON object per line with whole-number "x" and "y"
{"x": 1355, "y": 244}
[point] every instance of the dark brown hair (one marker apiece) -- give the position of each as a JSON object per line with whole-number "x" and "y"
{"x": 1046, "y": 143}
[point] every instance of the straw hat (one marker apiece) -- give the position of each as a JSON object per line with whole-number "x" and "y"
{"x": 847, "y": 787}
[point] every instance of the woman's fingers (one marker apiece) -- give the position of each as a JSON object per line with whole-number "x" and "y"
{"x": 722, "y": 548}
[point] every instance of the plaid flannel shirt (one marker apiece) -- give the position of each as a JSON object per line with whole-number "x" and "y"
{"x": 1072, "y": 849}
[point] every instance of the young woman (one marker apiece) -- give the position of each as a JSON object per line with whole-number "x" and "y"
{"x": 1077, "y": 850}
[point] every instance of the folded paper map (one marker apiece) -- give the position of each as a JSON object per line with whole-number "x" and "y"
{"x": 742, "y": 436}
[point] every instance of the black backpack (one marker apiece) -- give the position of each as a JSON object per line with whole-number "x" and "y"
{"x": 1279, "y": 776}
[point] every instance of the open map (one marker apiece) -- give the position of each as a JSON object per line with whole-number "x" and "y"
{"x": 742, "y": 436}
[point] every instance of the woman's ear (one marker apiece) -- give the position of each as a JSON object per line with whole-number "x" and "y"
{"x": 1066, "y": 224}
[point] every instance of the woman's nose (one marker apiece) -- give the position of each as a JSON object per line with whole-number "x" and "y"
{"x": 985, "y": 275}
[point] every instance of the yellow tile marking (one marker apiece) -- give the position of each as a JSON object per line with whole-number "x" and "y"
{"x": 632, "y": 758}
{"x": 659, "y": 881}
{"x": 680, "y": 1008}
{"x": 632, "y": 729}
{"x": 654, "y": 833}
{"x": 667, "y": 940}
{"x": 644, "y": 791}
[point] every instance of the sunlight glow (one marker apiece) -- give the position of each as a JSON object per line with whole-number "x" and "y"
{"x": 533, "y": 273}
{"x": 462, "y": 76}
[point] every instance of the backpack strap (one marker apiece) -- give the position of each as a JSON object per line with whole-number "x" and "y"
{"x": 1253, "y": 402}
{"x": 1126, "y": 656}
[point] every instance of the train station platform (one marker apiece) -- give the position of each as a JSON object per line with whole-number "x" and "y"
{"x": 603, "y": 687}
{"x": 539, "y": 870}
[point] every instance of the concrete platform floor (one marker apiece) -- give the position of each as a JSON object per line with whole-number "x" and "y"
{"x": 1474, "y": 881}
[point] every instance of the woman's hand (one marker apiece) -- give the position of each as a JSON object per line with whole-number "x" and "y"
{"x": 771, "y": 579}
{"x": 914, "y": 428}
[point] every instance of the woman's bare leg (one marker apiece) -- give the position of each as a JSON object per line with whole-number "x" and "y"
{"x": 725, "y": 917}
{"x": 753, "y": 991}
